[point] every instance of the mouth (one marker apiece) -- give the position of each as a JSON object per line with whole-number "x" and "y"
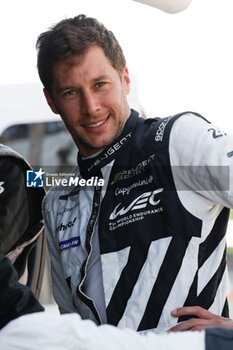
{"x": 94, "y": 125}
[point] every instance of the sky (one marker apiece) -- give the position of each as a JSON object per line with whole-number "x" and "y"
{"x": 181, "y": 61}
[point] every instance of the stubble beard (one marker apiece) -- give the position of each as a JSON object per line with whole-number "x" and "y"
{"x": 92, "y": 147}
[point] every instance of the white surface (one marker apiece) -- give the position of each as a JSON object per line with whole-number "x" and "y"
{"x": 51, "y": 308}
{"x": 68, "y": 332}
{"x": 170, "y": 6}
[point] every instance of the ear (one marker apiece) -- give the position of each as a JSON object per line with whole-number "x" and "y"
{"x": 126, "y": 80}
{"x": 50, "y": 101}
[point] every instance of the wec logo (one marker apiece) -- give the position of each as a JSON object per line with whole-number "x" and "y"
{"x": 139, "y": 203}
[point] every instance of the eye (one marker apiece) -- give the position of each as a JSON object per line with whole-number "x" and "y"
{"x": 100, "y": 84}
{"x": 70, "y": 93}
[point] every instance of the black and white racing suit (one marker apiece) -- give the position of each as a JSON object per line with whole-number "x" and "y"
{"x": 153, "y": 237}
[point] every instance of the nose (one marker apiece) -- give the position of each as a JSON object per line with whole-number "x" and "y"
{"x": 90, "y": 103}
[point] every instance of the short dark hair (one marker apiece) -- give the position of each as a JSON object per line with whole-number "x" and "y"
{"x": 74, "y": 36}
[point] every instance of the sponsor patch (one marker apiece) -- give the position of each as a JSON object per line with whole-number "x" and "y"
{"x": 160, "y": 132}
{"x": 132, "y": 172}
{"x": 69, "y": 243}
{"x": 63, "y": 227}
{"x": 141, "y": 202}
{"x": 126, "y": 190}
{"x": 66, "y": 210}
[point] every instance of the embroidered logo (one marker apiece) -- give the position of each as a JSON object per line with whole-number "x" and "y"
{"x": 63, "y": 227}
{"x": 160, "y": 132}
{"x": 139, "y": 203}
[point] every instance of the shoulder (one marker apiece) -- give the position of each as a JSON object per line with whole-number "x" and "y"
{"x": 193, "y": 129}
{"x": 189, "y": 119}
{"x": 195, "y": 141}
{"x": 161, "y": 126}
{"x": 158, "y": 131}
{"x": 12, "y": 156}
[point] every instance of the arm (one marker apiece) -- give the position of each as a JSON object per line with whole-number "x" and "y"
{"x": 15, "y": 299}
{"x": 202, "y": 162}
{"x": 205, "y": 184}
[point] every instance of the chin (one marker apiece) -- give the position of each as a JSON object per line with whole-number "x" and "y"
{"x": 104, "y": 142}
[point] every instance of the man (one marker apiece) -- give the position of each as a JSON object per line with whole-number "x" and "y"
{"x": 152, "y": 239}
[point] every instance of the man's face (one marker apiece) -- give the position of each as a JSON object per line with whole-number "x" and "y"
{"x": 90, "y": 96}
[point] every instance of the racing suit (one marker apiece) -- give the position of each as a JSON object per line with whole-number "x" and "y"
{"x": 153, "y": 237}
{"x": 20, "y": 207}
{"x": 20, "y": 223}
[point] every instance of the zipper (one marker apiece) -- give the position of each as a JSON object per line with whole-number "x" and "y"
{"x": 89, "y": 234}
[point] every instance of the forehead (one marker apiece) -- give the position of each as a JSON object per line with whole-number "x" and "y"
{"x": 85, "y": 66}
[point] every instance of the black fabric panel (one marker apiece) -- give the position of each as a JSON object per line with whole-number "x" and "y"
{"x": 206, "y": 298}
{"x": 126, "y": 284}
{"x": 207, "y": 295}
{"x": 191, "y": 299}
{"x": 15, "y": 299}
{"x": 225, "y": 310}
{"x": 163, "y": 285}
{"x": 214, "y": 238}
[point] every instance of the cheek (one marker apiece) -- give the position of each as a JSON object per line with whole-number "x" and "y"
{"x": 114, "y": 98}
{"x": 70, "y": 110}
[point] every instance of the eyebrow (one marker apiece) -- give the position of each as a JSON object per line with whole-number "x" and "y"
{"x": 101, "y": 77}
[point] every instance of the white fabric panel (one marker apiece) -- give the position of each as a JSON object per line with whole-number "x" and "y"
{"x": 109, "y": 263}
{"x": 210, "y": 266}
{"x": 185, "y": 279}
{"x": 220, "y": 295}
{"x": 142, "y": 290}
